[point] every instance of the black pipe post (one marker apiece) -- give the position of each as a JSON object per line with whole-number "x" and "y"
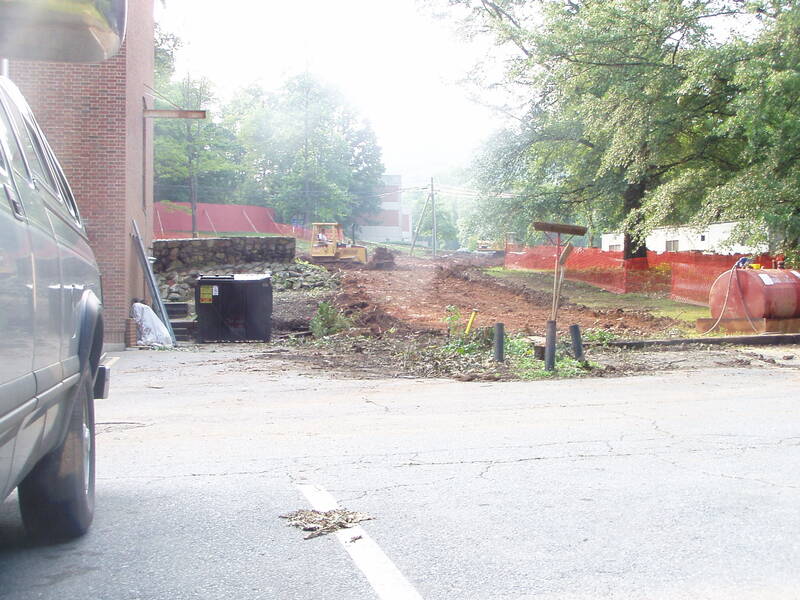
{"x": 499, "y": 342}
{"x": 550, "y": 347}
{"x": 577, "y": 343}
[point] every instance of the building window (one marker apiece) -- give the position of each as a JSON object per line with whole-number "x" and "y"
{"x": 672, "y": 245}
{"x": 615, "y": 248}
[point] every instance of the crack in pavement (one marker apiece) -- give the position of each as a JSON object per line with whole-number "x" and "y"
{"x": 385, "y": 408}
{"x": 652, "y": 422}
{"x": 364, "y": 493}
{"x": 485, "y": 471}
{"x": 582, "y": 456}
{"x": 728, "y": 476}
{"x": 493, "y": 462}
{"x": 188, "y": 475}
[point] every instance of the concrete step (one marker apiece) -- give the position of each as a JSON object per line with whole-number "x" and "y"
{"x": 184, "y": 329}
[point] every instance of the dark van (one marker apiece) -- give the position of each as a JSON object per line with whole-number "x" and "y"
{"x": 51, "y": 333}
{"x": 51, "y": 323}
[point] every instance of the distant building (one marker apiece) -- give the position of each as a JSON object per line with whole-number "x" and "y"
{"x": 392, "y": 222}
{"x": 681, "y": 239}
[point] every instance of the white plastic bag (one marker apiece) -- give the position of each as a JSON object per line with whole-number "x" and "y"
{"x": 150, "y": 330}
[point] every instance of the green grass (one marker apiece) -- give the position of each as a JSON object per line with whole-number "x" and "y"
{"x": 521, "y": 361}
{"x": 579, "y": 292}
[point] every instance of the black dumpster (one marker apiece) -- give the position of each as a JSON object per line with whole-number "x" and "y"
{"x": 233, "y": 308}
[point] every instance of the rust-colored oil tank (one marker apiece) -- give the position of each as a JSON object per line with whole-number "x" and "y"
{"x": 768, "y": 293}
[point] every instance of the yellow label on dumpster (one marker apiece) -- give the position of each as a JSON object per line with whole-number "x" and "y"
{"x": 205, "y": 294}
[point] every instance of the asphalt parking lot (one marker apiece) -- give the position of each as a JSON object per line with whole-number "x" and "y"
{"x": 679, "y": 485}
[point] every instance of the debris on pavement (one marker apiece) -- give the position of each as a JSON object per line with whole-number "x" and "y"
{"x": 319, "y": 523}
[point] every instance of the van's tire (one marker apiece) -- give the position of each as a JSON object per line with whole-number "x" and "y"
{"x": 56, "y": 499}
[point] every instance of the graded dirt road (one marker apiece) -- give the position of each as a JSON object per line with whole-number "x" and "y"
{"x": 678, "y": 485}
{"x": 417, "y": 292}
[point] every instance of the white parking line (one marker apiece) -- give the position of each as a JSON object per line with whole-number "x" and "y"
{"x": 384, "y": 577}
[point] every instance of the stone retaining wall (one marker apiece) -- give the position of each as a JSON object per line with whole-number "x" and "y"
{"x": 175, "y": 255}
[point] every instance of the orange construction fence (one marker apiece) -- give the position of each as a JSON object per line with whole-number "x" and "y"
{"x": 174, "y": 220}
{"x": 684, "y": 276}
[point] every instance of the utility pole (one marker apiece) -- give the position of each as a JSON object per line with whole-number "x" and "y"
{"x": 433, "y": 208}
{"x": 419, "y": 224}
{"x": 305, "y": 152}
{"x": 193, "y": 201}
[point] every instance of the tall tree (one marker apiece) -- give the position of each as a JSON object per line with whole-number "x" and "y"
{"x": 166, "y": 47}
{"x": 301, "y": 149}
{"x": 615, "y": 108}
{"x": 762, "y": 123}
{"x": 195, "y": 160}
{"x": 308, "y": 153}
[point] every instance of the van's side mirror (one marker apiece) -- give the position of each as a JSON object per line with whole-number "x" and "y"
{"x": 82, "y": 31}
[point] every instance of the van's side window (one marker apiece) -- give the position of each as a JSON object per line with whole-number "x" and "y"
{"x": 32, "y": 149}
{"x": 36, "y": 156}
{"x": 5, "y": 135}
{"x": 12, "y": 147}
{"x": 66, "y": 192}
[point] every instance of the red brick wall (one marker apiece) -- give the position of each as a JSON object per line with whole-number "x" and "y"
{"x": 139, "y": 200}
{"x": 93, "y": 118}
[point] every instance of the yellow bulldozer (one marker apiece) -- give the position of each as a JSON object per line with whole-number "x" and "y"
{"x": 328, "y": 245}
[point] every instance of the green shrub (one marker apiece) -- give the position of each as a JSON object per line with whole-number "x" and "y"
{"x": 598, "y": 336}
{"x": 452, "y": 319}
{"x": 328, "y": 320}
{"x": 520, "y": 359}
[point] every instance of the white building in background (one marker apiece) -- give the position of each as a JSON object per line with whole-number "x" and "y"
{"x": 392, "y": 222}
{"x": 681, "y": 239}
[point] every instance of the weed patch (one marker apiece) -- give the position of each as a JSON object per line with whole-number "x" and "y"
{"x": 328, "y": 320}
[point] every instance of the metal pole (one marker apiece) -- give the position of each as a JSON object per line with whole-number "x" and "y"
{"x": 555, "y": 278}
{"x": 4, "y": 67}
{"x": 419, "y": 225}
{"x": 577, "y": 343}
{"x": 562, "y": 270}
{"x": 550, "y": 347}
{"x": 433, "y": 207}
{"x": 193, "y": 200}
{"x": 499, "y": 342}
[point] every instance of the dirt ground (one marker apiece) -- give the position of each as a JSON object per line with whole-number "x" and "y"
{"x": 415, "y": 356}
{"x": 416, "y": 293}
{"x": 399, "y": 328}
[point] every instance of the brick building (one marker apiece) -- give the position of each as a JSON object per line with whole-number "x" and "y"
{"x": 93, "y": 117}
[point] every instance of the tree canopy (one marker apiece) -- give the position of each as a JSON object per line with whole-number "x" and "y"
{"x": 301, "y": 149}
{"x": 307, "y": 153}
{"x": 640, "y": 113}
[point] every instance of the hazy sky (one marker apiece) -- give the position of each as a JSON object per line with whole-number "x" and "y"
{"x": 394, "y": 62}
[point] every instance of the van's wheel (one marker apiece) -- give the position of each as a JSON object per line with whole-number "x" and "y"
{"x": 56, "y": 499}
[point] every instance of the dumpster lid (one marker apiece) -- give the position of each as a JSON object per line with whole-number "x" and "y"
{"x": 236, "y": 277}
{"x": 251, "y": 276}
